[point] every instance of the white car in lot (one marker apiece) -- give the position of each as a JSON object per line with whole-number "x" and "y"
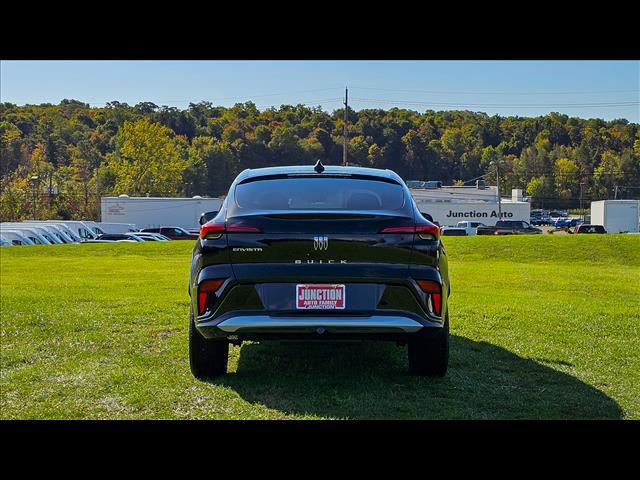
{"x": 81, "y": 229}
{"x": 31, "y": 233}
{"x": 56, "y": 230}
{"x": 470, "y": 227}
{"x": 36, "y": 232}
{"x": 60, "y": 224}
{"x": 15, "y": 237}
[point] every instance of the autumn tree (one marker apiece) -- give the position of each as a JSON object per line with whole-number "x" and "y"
{"x": 149, "y": 159}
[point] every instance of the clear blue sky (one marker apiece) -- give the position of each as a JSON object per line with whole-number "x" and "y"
{"x": 524, "y": 88}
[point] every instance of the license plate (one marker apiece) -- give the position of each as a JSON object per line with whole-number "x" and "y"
{"x": 320, "y": 297}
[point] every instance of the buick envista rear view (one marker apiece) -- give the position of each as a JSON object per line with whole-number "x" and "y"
{"x": 315, "y": 253}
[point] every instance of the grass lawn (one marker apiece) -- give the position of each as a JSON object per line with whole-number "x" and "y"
{"x": 542, "y": 327}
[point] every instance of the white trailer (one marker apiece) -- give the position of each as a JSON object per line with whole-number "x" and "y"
{"x": 616, "y": 216}
{"x": 149, "y": 212}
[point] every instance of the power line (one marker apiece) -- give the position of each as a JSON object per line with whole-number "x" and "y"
{"x": 437, "y": 92}
{"x": 497, "y": 105}
{"x": 306, "y": 103}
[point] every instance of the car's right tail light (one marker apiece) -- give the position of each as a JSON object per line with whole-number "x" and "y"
{"x": 427, "y": 231}
{"x": 206, "y": 288}
{"x": 434, "y": 289}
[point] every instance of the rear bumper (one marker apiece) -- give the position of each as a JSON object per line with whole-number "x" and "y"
{"x": 251, "y": 325}
{"x": 373, "y": 324}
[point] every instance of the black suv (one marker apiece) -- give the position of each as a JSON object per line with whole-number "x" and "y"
{"x": 319, "y": 253}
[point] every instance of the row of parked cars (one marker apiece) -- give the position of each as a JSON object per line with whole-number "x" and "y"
{"x": 52, "y": 232}
{"x": 502, "y": 227}
{"x": 541, "y": 217}
{"x": 513, "y": 227}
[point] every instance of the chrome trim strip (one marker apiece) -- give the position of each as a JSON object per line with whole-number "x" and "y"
{"x": 337, "y": 324}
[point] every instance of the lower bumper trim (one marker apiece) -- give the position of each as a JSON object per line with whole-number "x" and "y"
{"x": 372, "y": 324}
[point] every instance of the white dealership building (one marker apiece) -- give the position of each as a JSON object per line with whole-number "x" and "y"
{"x": 449, "y": 205}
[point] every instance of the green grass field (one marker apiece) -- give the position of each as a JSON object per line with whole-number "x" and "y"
{"x": 543, "y": 327}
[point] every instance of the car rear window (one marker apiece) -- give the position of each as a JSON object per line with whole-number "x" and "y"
{"x": 315, "y": 193}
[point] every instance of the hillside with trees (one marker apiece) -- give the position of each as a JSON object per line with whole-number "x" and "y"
{"x": 57, "y": 160}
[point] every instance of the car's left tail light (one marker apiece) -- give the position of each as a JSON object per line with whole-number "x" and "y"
{"x": 213, "y": 230}
{"x": 205, "y": 289}
{"x": 434, "y": 289}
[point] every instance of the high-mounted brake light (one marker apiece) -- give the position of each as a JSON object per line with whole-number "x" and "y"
{"x": 212, "y": 230}
{"x": 204, "y": 289}
{"x": 434, "y": 289}
{"x": 425, "y": 232}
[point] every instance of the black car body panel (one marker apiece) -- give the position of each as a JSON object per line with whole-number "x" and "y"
{"x": 261, "y": 254}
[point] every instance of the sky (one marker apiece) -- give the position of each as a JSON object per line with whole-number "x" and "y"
{"x": 587, "y": 89}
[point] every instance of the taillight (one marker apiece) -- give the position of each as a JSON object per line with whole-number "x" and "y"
{"x": 212, "y": 230}
{"x": 434, "y": 289}
{"x": 428, "y": 232}
{"x": 424, "y": 231}
{"x": 204, "y": 289}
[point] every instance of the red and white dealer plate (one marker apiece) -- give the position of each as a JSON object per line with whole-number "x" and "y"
{"x": 320, "y": 296}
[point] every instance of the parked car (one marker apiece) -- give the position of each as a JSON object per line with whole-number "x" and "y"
{"x": 108, "y": 227}
{"x": 453, "y": 232}
{"x": 15, "y": 237}
{"x": 70, "y": 233}
{"x": 541, "y": 220}
{"x": 174, "y": 233}
{"x": 81, "y": 229}
{"x": 508, "y": 227}
{"x": 57, "y": 231}
{"x": 588, "y": 228}
{"x": 117, "y": 237}
{"x": 319, "y": 253}
{"x": 60, "y": 225}
{"x": 567, "y": 222}
{"x": 31, "y": 233}
{"x": 42, "y": 232}
{"x": 153, "y": 236}
{"x": 561, "y": 222}
{"x": 470, "y": 227}
{"x": 558, "y": 213}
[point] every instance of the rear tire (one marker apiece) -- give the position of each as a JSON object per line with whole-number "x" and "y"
{"x": 207, "y": 357}
{"x": 429, "y": 351}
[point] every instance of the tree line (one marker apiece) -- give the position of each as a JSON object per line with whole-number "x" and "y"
{"x": 57, "y": 160}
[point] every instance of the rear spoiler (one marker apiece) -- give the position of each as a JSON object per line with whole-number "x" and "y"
{"x": 354, "y": 176}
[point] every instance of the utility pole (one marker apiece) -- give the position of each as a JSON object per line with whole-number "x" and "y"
{"x": 34, "y": 182}
{"x": 581, "y": 189}
{"x": 615, "y": 195}
{"x": 99, "y": 213}
{"x": 346, "y": 119}
{"x": 497, "y": 165}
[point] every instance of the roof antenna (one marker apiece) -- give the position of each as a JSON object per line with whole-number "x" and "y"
{"x": 319, "y": 167}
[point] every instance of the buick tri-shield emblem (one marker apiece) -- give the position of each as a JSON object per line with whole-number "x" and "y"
{"x": 320, "y": 243}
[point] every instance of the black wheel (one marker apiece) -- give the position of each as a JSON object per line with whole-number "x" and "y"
{"x": 429, "y": 351}
{"x": 207, "y": 357}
